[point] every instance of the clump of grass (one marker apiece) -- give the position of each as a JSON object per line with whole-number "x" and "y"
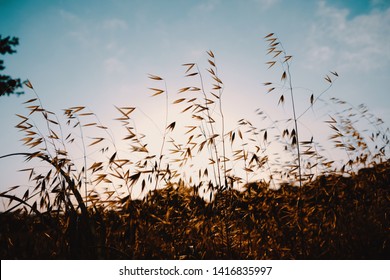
{"x": 344, "y": 218}
{"x": 112, "y": 204}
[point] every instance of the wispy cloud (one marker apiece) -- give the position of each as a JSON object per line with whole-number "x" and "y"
{"x": 378, "y": 4}
{"x": 208, "y": 6}
{"x": 115, "y": 24}
{"x": 362, "y": 41}
{"x": 113, "y": 65}
{"x": 266, "y": 4}
{"x": 77, "y": 29}
{"x": 68, "y": 16}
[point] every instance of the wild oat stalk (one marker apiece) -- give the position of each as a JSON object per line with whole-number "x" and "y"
{"x": 202, "y": 111}
{"x": 275, "y": 47}
{"x": 167, "y": 127}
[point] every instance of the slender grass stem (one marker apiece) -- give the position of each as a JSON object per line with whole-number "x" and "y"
{"x": 220, "y": 91}
{"x": 295, "y": 124}
{"x": 210, "y": 121}
{"x": 164, "y": 135}
{"x": 85, "y": 162}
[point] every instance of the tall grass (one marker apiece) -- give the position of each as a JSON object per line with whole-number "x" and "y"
{"x": 140, "y": 204}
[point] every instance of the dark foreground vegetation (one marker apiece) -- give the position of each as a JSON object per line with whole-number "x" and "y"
{"x": 336, "y": 218}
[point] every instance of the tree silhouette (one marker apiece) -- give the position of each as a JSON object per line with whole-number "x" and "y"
{"x": 8, "y": 85}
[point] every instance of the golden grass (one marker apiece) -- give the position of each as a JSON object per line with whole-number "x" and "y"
{"x": 86, "y": 209}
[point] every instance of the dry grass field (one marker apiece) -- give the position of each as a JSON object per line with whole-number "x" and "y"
{"x": 86, "y": 209}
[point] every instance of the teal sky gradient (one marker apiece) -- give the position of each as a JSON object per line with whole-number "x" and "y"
{"x": 98, "y": 54}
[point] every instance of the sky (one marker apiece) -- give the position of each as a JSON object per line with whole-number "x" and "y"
{"x": 99, "y": 54}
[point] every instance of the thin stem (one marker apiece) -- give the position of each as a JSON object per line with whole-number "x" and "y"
{"x": 164, "y": 135}
{"x": 295, "y": 124}
{"x": 220, "y": 91}
{"x": 85, "y": 161}
{"x": 211, "y": 127}
{"x": 46, "y": 116}
{"x": 315, "y": 100}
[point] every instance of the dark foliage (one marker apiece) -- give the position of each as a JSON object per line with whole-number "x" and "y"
{"x": 343, "y": 218}
{"x": 8, "y": 85}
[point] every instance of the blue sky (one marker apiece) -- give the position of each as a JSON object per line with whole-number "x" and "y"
{"x": 98, "y": 54}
